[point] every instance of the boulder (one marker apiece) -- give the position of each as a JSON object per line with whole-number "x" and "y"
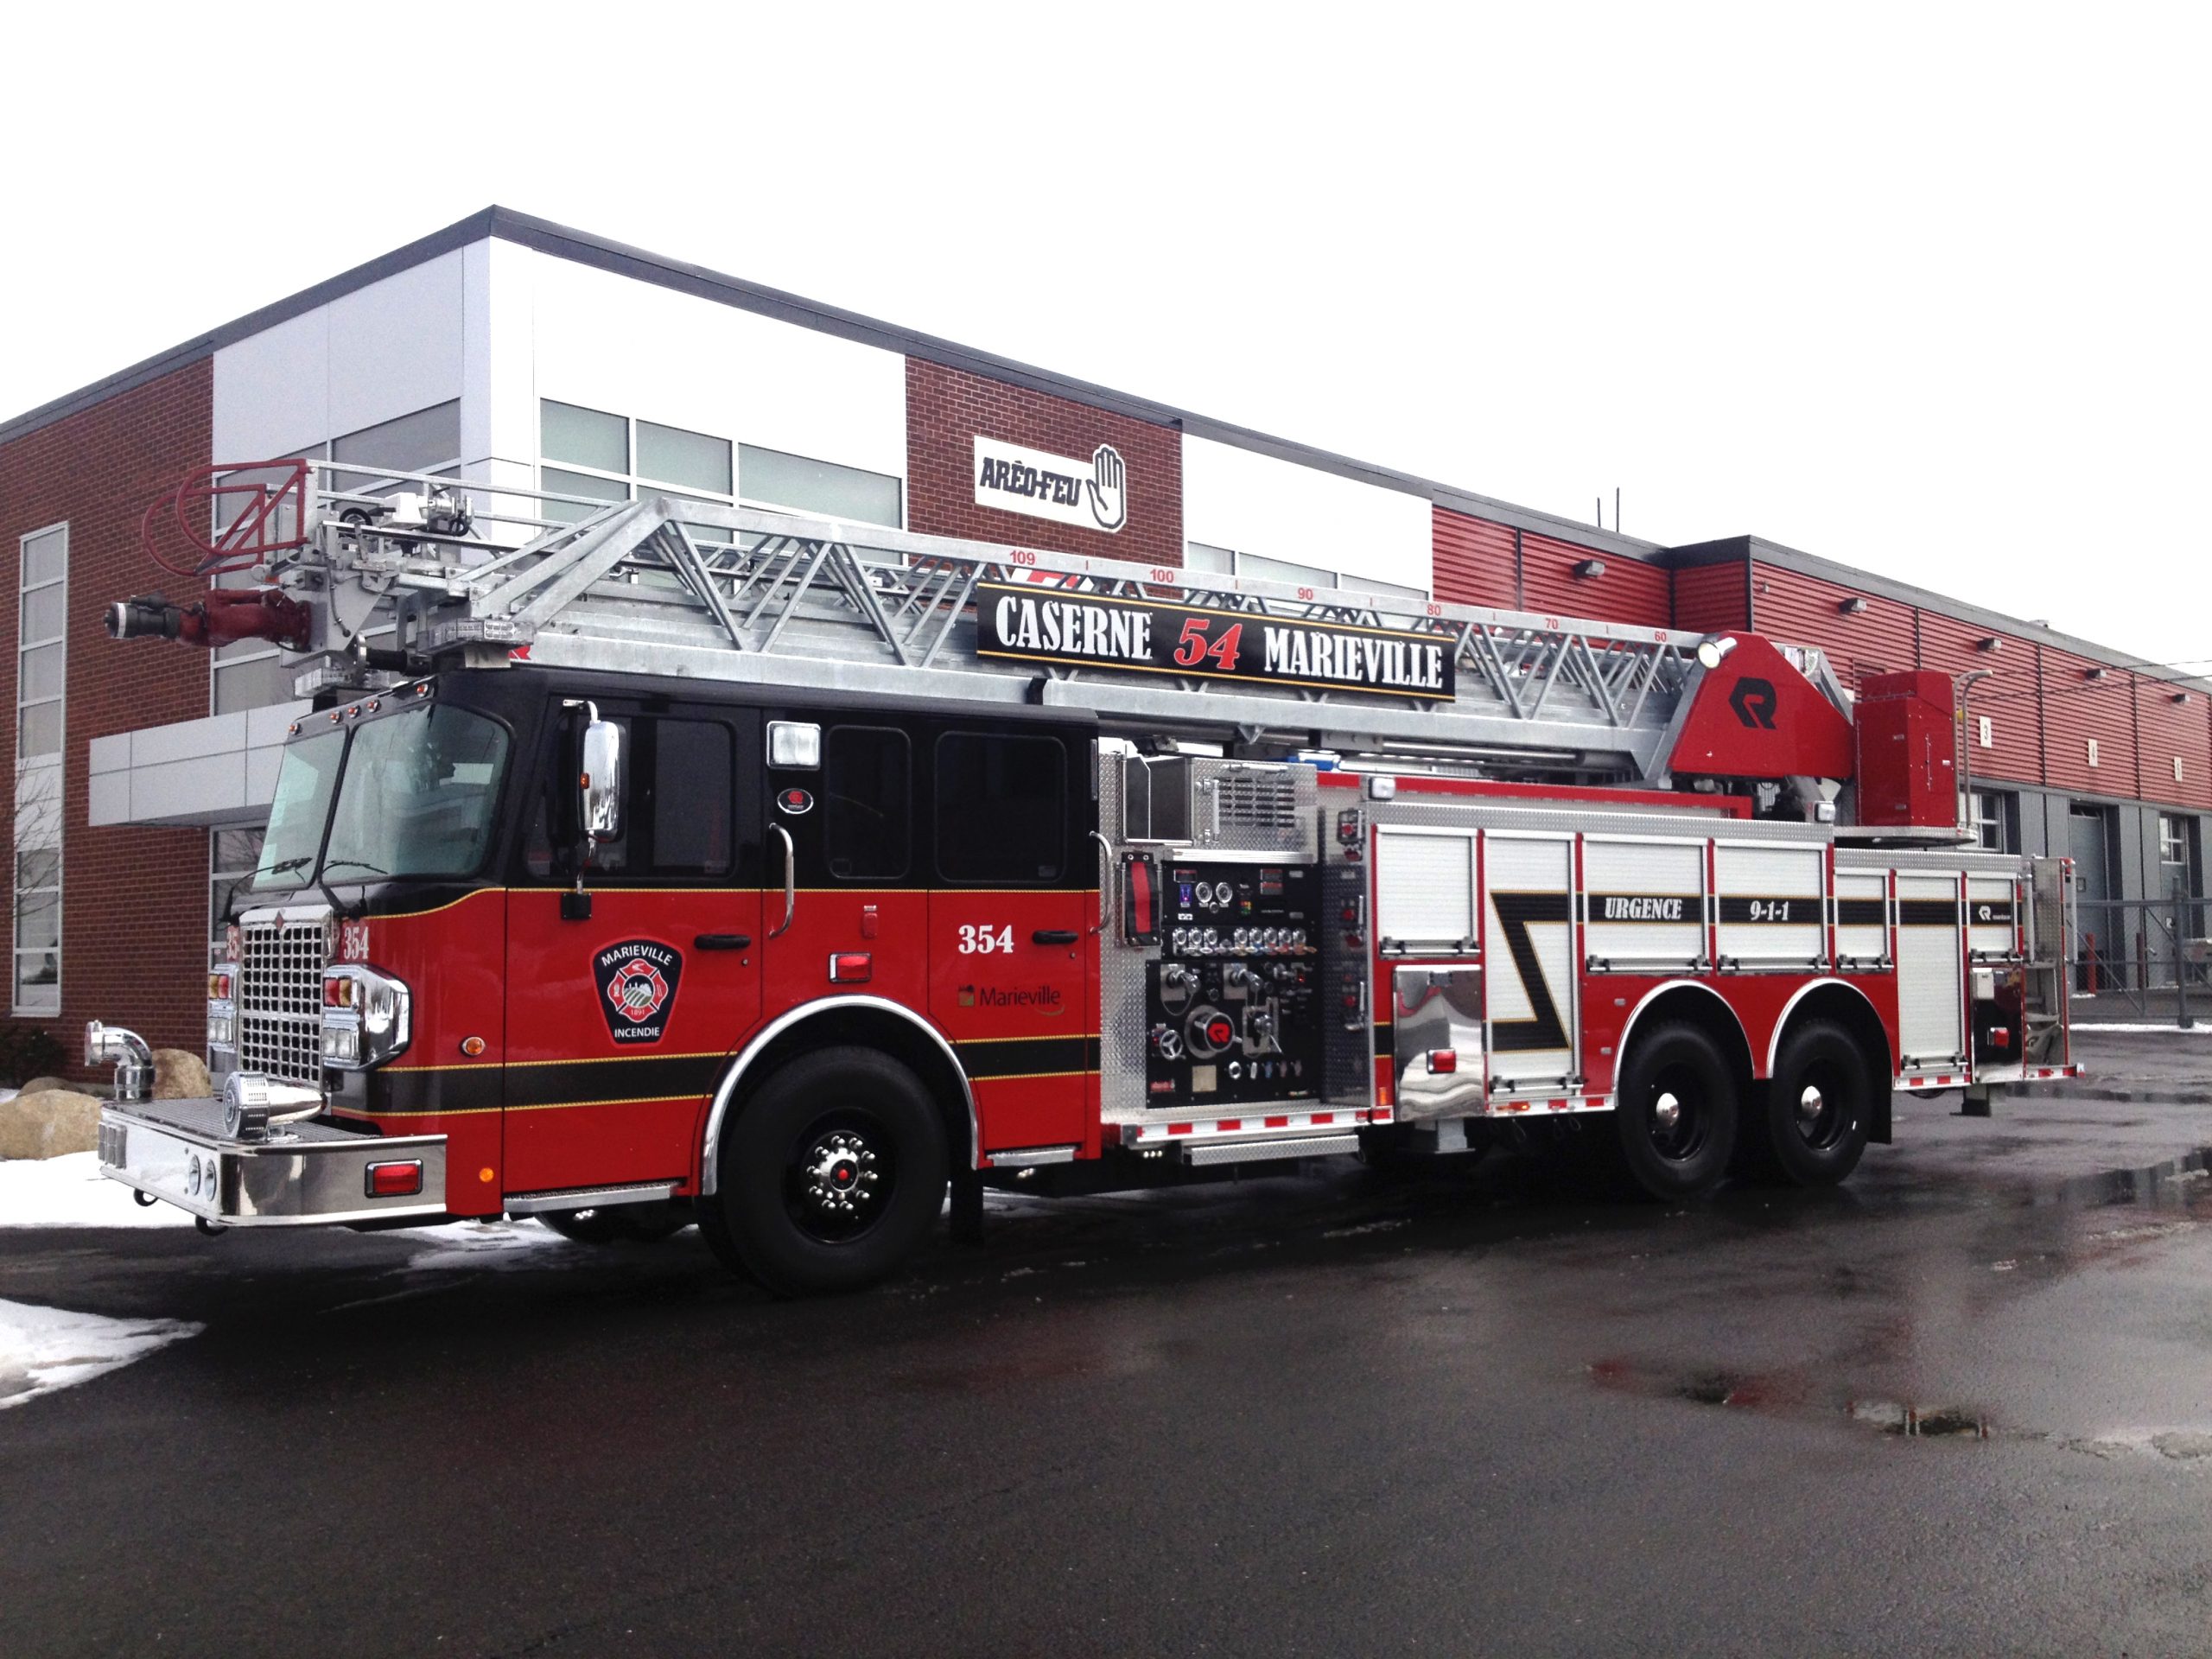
{"x": 180, "y": 1075}
{"x": 49, "y": 1123}
{"x": 40, "y": 1085}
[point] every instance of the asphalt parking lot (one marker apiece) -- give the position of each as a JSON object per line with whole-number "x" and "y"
{"x": 1962, "y": 1405}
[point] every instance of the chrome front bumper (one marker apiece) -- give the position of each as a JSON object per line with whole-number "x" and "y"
{"x": 306, "y": 1174}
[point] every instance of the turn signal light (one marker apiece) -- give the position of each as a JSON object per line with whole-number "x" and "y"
{"x": 218, "y": 987}
{"x": 400, "y": 1180}
{"x": 852, "y": 967}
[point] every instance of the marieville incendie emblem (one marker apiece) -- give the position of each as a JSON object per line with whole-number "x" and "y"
{"x": 637, "y": 989}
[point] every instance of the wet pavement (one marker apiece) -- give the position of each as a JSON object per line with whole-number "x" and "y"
{"x": 1962, "y": 1405}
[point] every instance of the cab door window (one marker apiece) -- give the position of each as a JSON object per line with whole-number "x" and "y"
{"x": 866, "y": 804}
{"x": 1002, "y": 809}
{"x": 677, "y": 810}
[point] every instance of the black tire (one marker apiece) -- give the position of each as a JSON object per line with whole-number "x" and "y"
{"x": 830, "y": 1175}
{"x": 1820, "y": 1105}
{"x": 617, "y": 1224}
{"x": 1675, "y": 1113}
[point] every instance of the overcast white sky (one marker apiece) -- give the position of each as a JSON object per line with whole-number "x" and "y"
{"x": 1922, "y": 288}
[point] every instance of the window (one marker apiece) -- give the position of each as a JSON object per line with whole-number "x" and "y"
{"x": 41, "y": 673}
{"x": 2176, "y": 857}
{"x": 1226, "y": 562}
{"x": 232, "y": 855}
{"x": 678, "y": 806}
{"x": 866, "y": 806}
{"x": 1993, "y": 820}
{"x": 417, "y": 795}
{"x": 1002, "y": 809}
{"x": 769, "y": 478}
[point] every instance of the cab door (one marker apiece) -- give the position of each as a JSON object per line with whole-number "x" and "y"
{"x": 620, "y": 1021}
{"x": 1010, "y": 914}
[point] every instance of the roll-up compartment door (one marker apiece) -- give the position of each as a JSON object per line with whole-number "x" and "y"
{"x": 1424, "y": 890}
{"x": 1643, "y": 903}
{"x": 1527, "y": 896}
{"x": 1990, "y": 901}
{"x": 1862, "y": 919}
{"x": 1773, "y": 910}
{"x": 1929, "y": 963}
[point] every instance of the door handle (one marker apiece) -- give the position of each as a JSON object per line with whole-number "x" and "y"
{"x": 722, "y": 941}
{"x": 791, "y": 880}
{"x": 1053, "y": 935}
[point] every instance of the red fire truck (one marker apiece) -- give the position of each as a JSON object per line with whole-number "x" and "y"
{"x": 681, "y": 862}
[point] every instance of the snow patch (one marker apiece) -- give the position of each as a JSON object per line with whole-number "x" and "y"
{"x": 45, "y": 1349}
{"x": 70, "y": 1191}
{"x": 481, "y": 1243}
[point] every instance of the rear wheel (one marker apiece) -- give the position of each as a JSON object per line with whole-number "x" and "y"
{"x": 830, "y": 1175}
{"x": 1820, "y": 1106}
{"x": 1675, "y": 1113}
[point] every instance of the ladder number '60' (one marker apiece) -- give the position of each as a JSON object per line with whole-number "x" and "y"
{"x": 983, "y": 940}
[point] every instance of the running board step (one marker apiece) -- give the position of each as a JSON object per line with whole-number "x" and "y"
{"x": 1252, "y": 1152}
{"x": 589, "y": 1197}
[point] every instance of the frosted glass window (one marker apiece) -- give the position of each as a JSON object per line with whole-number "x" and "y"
{"x": 584, "y": 437}
{"x": 669, "y": 455}
{"x": 1214, "y": 561}
{"x": 567, "y": 483}
{"x": 420, "y": 442}
{"x": 1306, "y": 575}
{"x": 793, "y": 482}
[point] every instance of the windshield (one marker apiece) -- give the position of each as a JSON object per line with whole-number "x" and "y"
{"x": 415, "y": 800}
{"x": 305, "y": 781}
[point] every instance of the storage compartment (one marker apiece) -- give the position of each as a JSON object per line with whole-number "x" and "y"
{"x": 1908, "y": 736}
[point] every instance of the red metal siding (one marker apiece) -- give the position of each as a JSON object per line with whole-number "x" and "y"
{"x": 1800, "y": 610}
{"x": 1473, "y": 560}
{"x": 1710, "y": 597}
{"x": 2007, "y": 697}
{"x": 1630, "y": 591}
{"x": 2076, "y": 709}
{"x": 2168, "y": 730}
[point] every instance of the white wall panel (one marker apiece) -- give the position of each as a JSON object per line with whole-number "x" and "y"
{"x": 613, "y": 343}
{"x": 1256, "y": 504}
{"x": 395, "y": 346}
{"x": 387, "y": 350}
{"x": 273, "y": 390}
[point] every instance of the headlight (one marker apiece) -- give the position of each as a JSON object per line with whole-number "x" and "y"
{"x": 364, "y": 1017}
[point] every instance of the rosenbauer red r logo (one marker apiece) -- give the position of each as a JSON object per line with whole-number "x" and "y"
{"x": 637, "y": 989}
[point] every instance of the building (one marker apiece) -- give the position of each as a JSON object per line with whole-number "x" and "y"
{"x": 509, "y": 350}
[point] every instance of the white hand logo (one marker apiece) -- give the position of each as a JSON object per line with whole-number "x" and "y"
{"x": 1108, "y": 485}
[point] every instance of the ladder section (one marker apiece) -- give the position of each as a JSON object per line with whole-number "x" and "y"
{"x": 674, "y": 586}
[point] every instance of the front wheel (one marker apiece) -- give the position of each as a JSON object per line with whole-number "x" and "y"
{"x": 1820, "y": 1106}
{"x": 1675, "y": 1113}
{"x": 830, "y": 1175}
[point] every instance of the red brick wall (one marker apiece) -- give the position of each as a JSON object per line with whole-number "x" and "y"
{"x": 134, "y": 904}
{"x": 948, "y": 409}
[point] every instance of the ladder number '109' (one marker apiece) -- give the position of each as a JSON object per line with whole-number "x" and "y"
{"x": 984, "y": 940}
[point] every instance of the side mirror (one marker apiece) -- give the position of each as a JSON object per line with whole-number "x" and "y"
{"x": 601, "y": 781}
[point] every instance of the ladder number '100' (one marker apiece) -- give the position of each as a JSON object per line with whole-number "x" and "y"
{"x": 984, "y": 940}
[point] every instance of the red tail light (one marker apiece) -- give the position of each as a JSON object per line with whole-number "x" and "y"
{"x": 1443, "y": 1059}
{"x": 400, "y": 1180}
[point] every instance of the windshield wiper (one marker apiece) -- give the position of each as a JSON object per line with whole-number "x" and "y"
{"x": 353, "y": 864}
{"x": 283, "y": 867}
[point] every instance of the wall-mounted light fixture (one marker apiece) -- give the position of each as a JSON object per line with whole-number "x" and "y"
{"x": 2095, "y": 673}
{"x": 1855, "y": 606}
{"x": 1990, "y": 644}
{"x": 1590, "y": 567}
{"x": 2181, "y": 696}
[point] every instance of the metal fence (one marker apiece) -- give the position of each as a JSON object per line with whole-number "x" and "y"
{"x": 2142, "y": 961}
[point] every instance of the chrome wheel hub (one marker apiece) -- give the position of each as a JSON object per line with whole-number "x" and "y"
{"x": 1667, "y": 1111}
{"x": 841, "y": 1176}
{"x": 1810, "y": 1105}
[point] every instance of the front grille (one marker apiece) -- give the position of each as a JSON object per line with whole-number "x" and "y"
{"x": 280, "y": 997}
